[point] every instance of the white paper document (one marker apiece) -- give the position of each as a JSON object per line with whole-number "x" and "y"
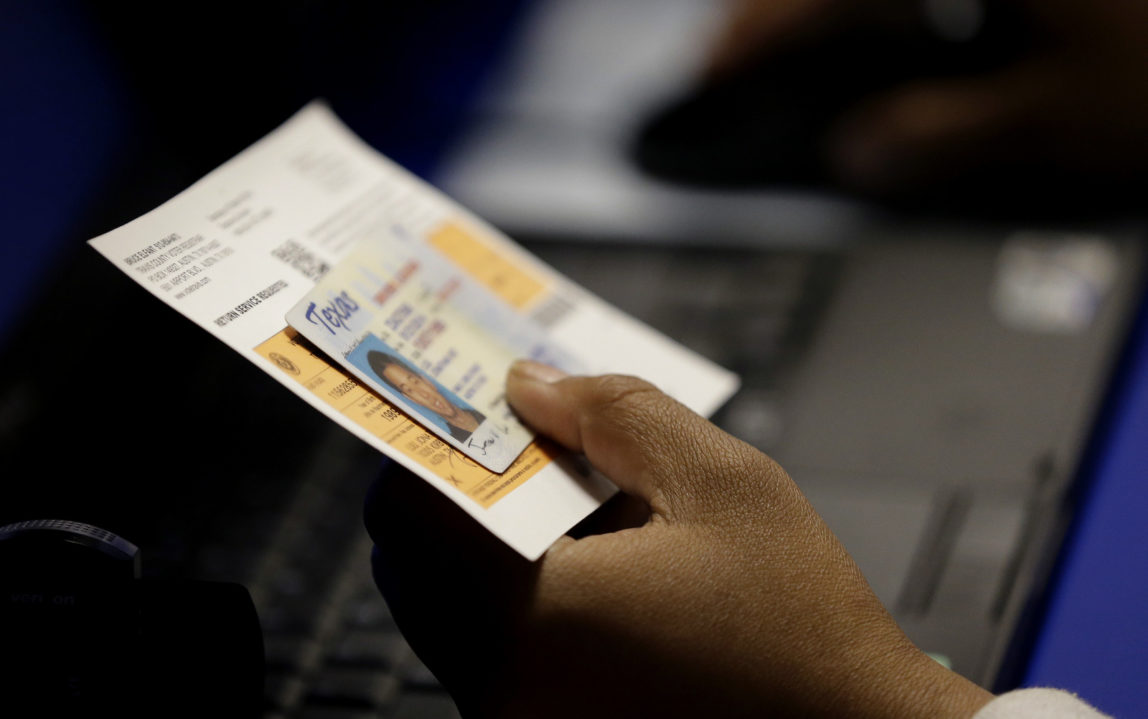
{"x": 311, "y": 223}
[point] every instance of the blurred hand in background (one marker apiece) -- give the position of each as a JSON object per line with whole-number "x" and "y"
{"x": 1072, "y": 98}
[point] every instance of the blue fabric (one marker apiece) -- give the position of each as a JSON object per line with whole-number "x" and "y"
{"x": 1094, "y": 640}
{"x": 62, "y": 125}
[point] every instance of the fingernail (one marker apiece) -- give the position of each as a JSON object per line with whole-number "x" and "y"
{"x": 536, "y": 371}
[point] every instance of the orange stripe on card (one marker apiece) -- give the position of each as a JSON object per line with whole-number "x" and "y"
{"x": 498, "y": 273}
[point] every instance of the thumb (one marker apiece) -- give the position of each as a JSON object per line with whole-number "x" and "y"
{"x": 648, "y": 444}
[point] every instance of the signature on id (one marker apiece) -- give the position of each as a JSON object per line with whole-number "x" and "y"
{"x": 481, "y": 446}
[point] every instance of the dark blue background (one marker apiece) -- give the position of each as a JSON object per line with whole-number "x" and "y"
{"x": 108, "y": 111}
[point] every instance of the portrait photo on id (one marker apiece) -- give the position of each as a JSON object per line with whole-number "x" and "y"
{"x": 424, "y": 395}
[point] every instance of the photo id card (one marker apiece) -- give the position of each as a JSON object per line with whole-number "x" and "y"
{"x": 418, "y": 328}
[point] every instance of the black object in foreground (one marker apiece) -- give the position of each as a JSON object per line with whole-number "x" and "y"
{"x": 83, "y": 632}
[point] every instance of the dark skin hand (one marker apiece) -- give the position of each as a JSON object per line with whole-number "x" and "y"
{"x": 709, "y": 587}
{"x": 1076, "y": 99}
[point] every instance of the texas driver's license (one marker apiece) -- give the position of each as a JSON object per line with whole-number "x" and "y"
{"x": 313, "y": 224}
{"x": 432, "y": 336}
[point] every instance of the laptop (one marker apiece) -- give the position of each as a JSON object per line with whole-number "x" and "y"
{"x": 931, "y": 384}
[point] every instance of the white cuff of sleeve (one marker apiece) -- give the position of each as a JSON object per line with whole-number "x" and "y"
{"x": 1042, "y": 703}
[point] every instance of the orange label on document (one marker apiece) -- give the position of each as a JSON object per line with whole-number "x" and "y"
{"x": 495, "y": 271}
{"x": 294, "y": 355}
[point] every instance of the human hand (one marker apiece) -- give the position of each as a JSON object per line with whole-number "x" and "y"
{"x": 1073, "y": 101}
{"x": 728, "y": 595}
